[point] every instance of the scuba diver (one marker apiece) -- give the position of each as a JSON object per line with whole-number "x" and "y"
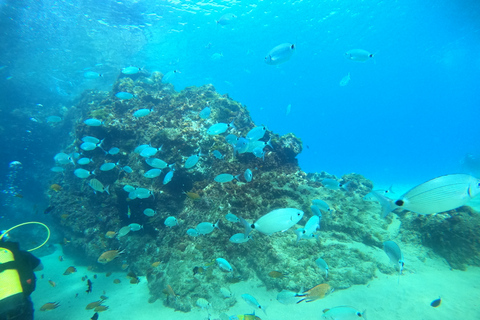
{"x": 17, "y": 280}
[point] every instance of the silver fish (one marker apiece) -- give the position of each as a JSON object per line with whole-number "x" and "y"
{"x": 395, "y": 254}
{"x": 437, "y": 195}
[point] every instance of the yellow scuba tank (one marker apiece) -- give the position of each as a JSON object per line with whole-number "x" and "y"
{"x": 9, "y": 279}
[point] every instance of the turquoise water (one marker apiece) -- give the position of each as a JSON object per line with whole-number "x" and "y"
{"x": 407, "y": 115}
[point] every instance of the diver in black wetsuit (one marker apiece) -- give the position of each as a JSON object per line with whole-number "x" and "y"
{"x": 17, "y": 281}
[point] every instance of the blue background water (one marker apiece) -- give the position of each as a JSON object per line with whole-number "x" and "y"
{"x": 407, "y": 115}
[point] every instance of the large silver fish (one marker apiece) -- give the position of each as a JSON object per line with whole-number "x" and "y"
{"x": 437, "y": 195}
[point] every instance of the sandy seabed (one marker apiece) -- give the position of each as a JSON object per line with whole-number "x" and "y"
{"x": 385, "y": 297}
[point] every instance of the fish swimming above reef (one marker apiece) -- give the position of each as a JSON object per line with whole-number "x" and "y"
{"x": 280, "y": 54}
{"x": 131, "y": 70}
{"x": 274, "y": 221}
{"x": 316, "y": 293}
{"x": 345, "y": 80}
{"x": 343, "y": 313}
{"x": 322, "y": 264}
{"x": 108, "y": 256}
{"x": 97, "y": 186}
{"x": 219, "y": 128}
{"x": 224, "y": 264}
{"x": 205, "y": 113}
{"x": 440, "y": 194}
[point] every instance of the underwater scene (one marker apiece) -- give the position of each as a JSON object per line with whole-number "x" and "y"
{"x": 243, "y": 160}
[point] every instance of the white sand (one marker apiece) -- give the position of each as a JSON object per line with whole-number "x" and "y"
{"x": 383, "y": 297}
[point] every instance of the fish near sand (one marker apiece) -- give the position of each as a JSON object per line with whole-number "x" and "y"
{"x": 108, "y": 256}
{"x": 440, "y": 194}
{"x": 395, "y": 254}
{"x": 342, "y": 313}
{"x": 315, "y": 293}
{"x": 251, "y": 301}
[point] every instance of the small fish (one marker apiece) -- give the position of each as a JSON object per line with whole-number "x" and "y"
{"x": 192, "y": 161}
{"x": 53, "y": 284}
{"x": 60, "y": 258}
{"x": 239, "y": 238}
{"x": 93, "y": 305}
{"x": 62, "y": 158}
{"x": 224, "y": 265}
{"x": 217, "y": 154}
{"x": 57, "y": 169}
{"x": 156, "y": 163}
{"x": 219, "y": 128}
{"x": 289, "y": 108}
{"x": 70, "y": 270}
{"x": 108, "y": 274}
{"x": 135, "y": 227}
{"x": 169, "y": 76}
{"x": 110, "y": 234}
{"x": 280, "y": 54}
{"x": 168, "y": 177}
{"x": 231, "y": 217}
{"x": 55, "y": 187}
{"x": 123, "y": 231}
{"x": 331, "y": 184}
{"x": 203, "y": 303}
{"x": 129, "y": 214}
{"x": 124, "y": 95}
{"x": 84, "y": 161}
{"x": 248, "y": 175}
{"x": 225, "y": 177}
{"x": 231, "y": 139}
{"x": 49, "y": 306}
{"x": 117, "y": 281}
{"x": 131, "y": 70}
{"x": 113, "y": 151}
{"x": 395, "y": 254}
{"x": 92, "y": 122}
{"x": 322, "y": 205}
{"x": 205, "y": 113}
{"x": 82, "y": 173}
{"x": 89, "y": 286}
{"x": 95, "y": 316}
{"x": 345, "y": 80}
{"x": 97, "y": 186}
{"x": 193, "y": 195}
{"x": 91, "y": 75}
{"x": 197, "y": 270}
{"x": 287, "y": 297}
{"x": 149, "y": 212}
{"x": 322, "y": 265}
{"x": 251, "y": 301}
{"x": 142, "y": 113}
{"x": 171, "y": 222}
{"x": 226, "y": 19}
{"x": 155, "y": 264}
{"x": 192, "y": 232}
{"x": 256, "y": 133}
{"x": 127, "y": 169}
{"x": 343, "y": 313}
{"x": 276, "y": 274}
{"x": 169, "y": 291}
{"x": 206, "y": 227}
{"x": 100, "y": 308}
{"x": 436, "y": 303}
{"x": 53, "y": 119}
{"x": 358, "y": 55}
{"x": 108, "y": 256}
{"x": 274, "y": 221}
{"x": 152, "y": 173}
{"x": 315, "y": 293}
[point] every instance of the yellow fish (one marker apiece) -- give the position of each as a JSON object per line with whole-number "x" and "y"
{"x": 108, "y": 256}
{"x": 55, "y": 187}
{"x": 49, "y": 306}
{"x": 317, "y": 292}
{"x": 110, "y": 234}
{"x": 248, "y": 317}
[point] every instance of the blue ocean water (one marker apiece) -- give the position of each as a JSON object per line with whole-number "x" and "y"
{"x": 407, "y": 115}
